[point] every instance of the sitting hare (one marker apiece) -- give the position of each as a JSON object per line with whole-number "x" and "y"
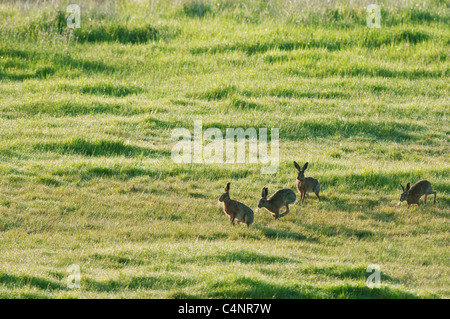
{"x": 413, "y": 193}
{"x": 235, "y": 210}
{"x": 274, "y": 204}
{"x": 304, "y": 184}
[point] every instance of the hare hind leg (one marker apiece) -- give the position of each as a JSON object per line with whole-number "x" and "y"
{"x": 431, "y": 192}
{"x": 286, "y": 212}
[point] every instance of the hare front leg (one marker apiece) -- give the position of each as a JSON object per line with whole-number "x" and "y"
{"x": 286, "y": 211}
{"x": 302, "y": 195}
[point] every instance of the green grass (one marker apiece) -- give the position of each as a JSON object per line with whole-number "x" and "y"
{"x": 86, "y": 175}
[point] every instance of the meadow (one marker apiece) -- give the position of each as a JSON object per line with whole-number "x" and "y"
{"x": 87, "y": 178}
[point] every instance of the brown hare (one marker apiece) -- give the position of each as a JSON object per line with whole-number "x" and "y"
{"x": 304, "y": 184}
{"x": 235, "y": 210}
{"x": 274, "y": 204}
{"x": 413, "y": 193}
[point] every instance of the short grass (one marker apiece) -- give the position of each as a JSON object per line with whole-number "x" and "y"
{"x": 86, "y": 175}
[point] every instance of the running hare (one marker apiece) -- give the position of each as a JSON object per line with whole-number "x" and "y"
{"x": 274, "y": 204}
{"x": 413, "y": 193}
{"x": 304, "y": 184}
{"x": 235, "y": 210}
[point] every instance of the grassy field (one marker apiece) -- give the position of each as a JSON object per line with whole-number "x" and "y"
{"x": 86, "y": 175}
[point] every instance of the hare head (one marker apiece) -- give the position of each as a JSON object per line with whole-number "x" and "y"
{"x": 225, "y": 196}
{"x": 404, "y": 195}
{"x": 263, "y": 200}
{"x": 301, "y": 171}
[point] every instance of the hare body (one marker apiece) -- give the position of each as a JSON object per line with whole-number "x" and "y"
{"x": 412, "y": 194}
{"x": 275, "y": 203}
{"x": 236, "y": 210}
{"x": 304, "y": 184}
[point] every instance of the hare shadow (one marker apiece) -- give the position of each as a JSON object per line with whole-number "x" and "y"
{"x": 339, "y": 230}
{"x": 272, "y": 233}
{"x": 12, "y": 281}
{"x": 244, "y": 287}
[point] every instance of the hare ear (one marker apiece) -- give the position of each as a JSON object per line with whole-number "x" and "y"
{"x": 263, "y": 192}
{"x": 402, "y": 187}
{"x": 305, "y": 166}
{"x": 408, "y": 186}
{"x": 296, "y": 166}
{"x": 267, "y": 192}
{"x": 227, "y": 188}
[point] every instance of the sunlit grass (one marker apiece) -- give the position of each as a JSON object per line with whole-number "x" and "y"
{"x": 86, "y": 175}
